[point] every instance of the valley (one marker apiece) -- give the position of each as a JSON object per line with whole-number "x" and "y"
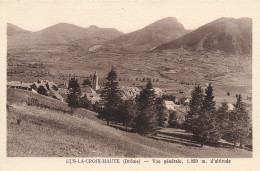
{"x": 172, "y": 58}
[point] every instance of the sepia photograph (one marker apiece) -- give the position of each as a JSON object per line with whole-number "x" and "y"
{"x": 154, "y": 80}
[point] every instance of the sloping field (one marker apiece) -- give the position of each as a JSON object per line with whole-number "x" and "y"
{"x": 40, "y": 132}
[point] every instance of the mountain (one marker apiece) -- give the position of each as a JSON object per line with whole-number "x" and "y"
{"x": 14, "y": 30}
{"x": 232, "y": 36}
{"x": 155, "y": 34}
{"x": 61, "y": 33}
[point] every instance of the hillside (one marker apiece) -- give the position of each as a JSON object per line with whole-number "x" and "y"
{"x": 13, "y": 30}
{"x": 43, "y": 132}
{"x": 232, "y": 36}
{"x": 155, "y": 34}
{"x": 61, "y": 33}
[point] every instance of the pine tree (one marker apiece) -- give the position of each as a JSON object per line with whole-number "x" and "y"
{"x": 208, "y": 103}
{"x": 223, "y": 117}
{"x": 110, "y": 97}
{"x": 146, "y": 98}
{"x": 206, "y": 127}
{"x": 163, "y": 112}
{"x": 239, "y": 123}
{"x": 128, "y": 112}
{"x": 85, "y": 103}
{"x": 146, "y": 121}
{"x": 74, "y": 93}
{"x": 195, "y": 106}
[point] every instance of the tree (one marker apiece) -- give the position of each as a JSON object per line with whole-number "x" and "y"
{"x": 87, "y": 82}
{"x": 41, "y": 90}
{"x": 195, "y": 106}
{"x": 128, "y": 112}
{"x": 205, "y": 126}
{"x": 239, "y": 123}
{"x": 74, "y": 93}
{"x": 146, "y": 121}
{"x": 97, "y": 107}
{"x": 85, "y": 103}
{"x": 110, "y": 97}
{"x": 176, "y": 118}
{"x": 163, "y": 113}
{"x": 146, "y": 98}
{"x": 223, "y": 117}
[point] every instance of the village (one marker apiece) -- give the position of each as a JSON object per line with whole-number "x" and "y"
{"x": 176, "y": 104}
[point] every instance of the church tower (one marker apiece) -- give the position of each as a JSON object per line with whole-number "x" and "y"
{"x": 95, "y": 82}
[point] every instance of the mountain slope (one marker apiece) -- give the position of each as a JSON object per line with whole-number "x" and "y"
{"x": 157, "y": 33}
{"x": 62, "y": 33}
{"x": 83, "y": 135}
{"x": 13, "y": 30}
{"x": 225, "y": 34}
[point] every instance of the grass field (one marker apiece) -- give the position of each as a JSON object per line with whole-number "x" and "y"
{"x": 42, "y": 132}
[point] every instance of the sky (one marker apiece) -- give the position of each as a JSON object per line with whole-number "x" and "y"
{"x": 124, "y": 16}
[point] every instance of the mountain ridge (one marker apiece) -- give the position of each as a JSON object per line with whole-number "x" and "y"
{"x": 61, "y": 33}
{"x": 152, "y": 35}
{"x": 233, "y": 36}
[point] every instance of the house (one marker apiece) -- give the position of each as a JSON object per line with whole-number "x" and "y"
{"x": 19, "y": 85}
{"x": 39, "y": 83}
{"x": 93, "y": 98}
{"x": 63, "y": 86}
{"x": 230, "y": 107}
{"x": 170, "y": 105}
{"x": 186, "y": 101}
{"x": 51, "y": 88}
{"x": 129, "y": 93}
{"x": 158, "y": 92}
{"x": 90, "y": 94}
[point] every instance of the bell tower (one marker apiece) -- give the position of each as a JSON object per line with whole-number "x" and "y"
{"x": 95, "y": 81}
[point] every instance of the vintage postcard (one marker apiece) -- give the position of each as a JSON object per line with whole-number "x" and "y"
{"x": 129, "y": 85}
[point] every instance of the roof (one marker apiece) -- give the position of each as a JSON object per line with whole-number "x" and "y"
{"x": 92, "y": 97}
{"x": 40, "y": 84}
{"x": 158, "y": 91}
{"x": 129, "y": 92}
{"x": 19, "y": 83}
{"x": 170, "y": 105}
{"x": 230, "y": 107}
{"x": 51, "y": 83}
{"x": 57, "y": 95}
{"x": 87, "y": 89}
{"x": 63, "y": 86}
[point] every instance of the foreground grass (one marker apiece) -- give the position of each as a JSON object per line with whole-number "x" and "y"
{"x": 48, "y": 133}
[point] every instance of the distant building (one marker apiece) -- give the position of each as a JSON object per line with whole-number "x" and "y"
{"x": 170, "y": 105}
{"x": 19, "y": 85}
{"x": 158, "y": 92}
{"x": 90, "y": 94}
{"x": 230, "y": 107}
{"x": 50, "y": 86}
{"x": 129, "y": 93}
{"x": 63, "y": 86}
